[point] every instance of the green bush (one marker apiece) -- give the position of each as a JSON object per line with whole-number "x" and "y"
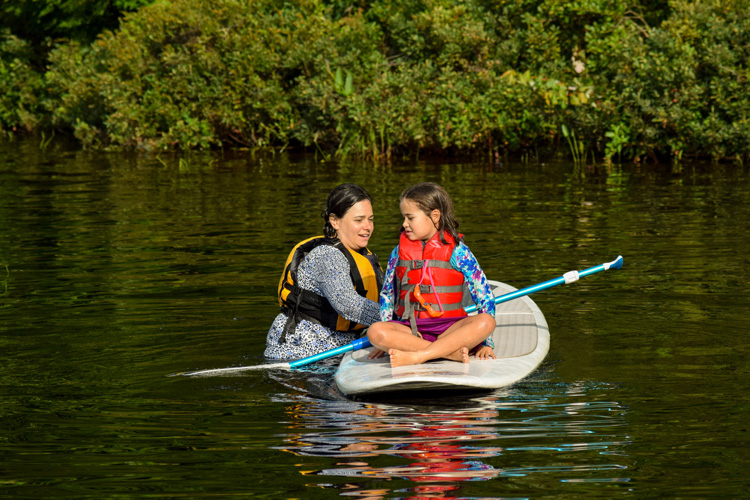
{"x": 39, "y": 21}
{"x": 21, "y": 100}
{"x": 613, "y": 79}
{"x": 682, "y": 87}
{"x": 201, "y": 74}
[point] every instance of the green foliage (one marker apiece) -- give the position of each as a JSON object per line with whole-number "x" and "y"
{"x": 23, "y": 87}
{"x": 577, "y": 146}
{"x": 632, "y": 80}
{"x": 38, "y": 20}
{"x": 682, "y": 87}
{"x": 176, "y": 75}
{"x": 619, "y": 136}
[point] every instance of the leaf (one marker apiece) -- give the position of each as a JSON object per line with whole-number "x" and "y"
{"x": 339, "y": 79}
{"x": 349, "y": 86}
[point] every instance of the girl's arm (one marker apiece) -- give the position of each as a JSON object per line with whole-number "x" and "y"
{"x": 464, "y": 261}
{"x": 388, "y": 293}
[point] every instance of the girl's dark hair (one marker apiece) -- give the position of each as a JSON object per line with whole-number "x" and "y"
{"x": 340, "y": 200}
{"x": 430, "y": 196}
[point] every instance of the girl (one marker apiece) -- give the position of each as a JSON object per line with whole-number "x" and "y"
{"x": 428, "y": 273}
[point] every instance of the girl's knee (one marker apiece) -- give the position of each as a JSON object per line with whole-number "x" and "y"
{"x": 376, "y": 332}
{"x": 487, "y": 322}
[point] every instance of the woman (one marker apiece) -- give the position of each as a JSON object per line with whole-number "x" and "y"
{"x": 329, "y": 288}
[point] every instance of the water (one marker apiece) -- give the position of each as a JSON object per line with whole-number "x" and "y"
{"x": 117, "y": 271}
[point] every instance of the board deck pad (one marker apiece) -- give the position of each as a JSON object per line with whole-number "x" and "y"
{"x": 515, "y": 335}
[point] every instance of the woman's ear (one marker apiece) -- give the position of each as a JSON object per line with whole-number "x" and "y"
{"x": 334, "y": 221}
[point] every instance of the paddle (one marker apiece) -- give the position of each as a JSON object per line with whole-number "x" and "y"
{"x": 363, "y": 342}
{"x": 566, "y": 278}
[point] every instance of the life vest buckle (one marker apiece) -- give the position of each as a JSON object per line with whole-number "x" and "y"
{"x": 427, "y": 307}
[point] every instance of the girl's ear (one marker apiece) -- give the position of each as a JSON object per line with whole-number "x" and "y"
{"x": 435, "y": 216}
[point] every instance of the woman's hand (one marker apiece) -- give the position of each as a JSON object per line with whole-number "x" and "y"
{"x": 485, "y": 352}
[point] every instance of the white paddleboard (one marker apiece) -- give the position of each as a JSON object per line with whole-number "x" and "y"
{"x": 521, "y": 343}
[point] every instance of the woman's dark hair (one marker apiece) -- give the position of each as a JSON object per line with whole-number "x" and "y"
{"x": 340, "y": 200}
{"x": 430, "y": 196}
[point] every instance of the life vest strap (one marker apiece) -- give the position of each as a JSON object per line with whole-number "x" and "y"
{"x": 411, "y": 265}
{"x": 304, "y": 304}
{"x": 432, "y": 288}
{"x": 417, "y": 306}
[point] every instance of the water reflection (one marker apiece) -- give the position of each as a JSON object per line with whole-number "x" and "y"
{"x": 561, "y": 434}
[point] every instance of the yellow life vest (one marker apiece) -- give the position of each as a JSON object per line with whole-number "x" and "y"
{"x": 296, "y": 303}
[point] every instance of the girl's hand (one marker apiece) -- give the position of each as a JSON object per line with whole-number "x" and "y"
{"x": 485, "y": 352}
{"x": 375, "y": 354}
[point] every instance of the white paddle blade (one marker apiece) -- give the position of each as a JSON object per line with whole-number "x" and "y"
{"x": 236, "y": 369}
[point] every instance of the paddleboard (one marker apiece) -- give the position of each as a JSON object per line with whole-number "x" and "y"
{"x": 521, "y": 339}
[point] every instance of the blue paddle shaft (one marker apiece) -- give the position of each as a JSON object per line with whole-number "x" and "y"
{"x": 566, "y": 278}
{"x": 354, "y": 346}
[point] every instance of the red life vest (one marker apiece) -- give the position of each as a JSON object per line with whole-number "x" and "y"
{"x": 428, "y": 266}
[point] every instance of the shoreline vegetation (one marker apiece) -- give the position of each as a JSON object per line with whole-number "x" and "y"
{"x": 589, "y": 80}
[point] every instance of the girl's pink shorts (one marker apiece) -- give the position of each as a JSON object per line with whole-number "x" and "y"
{"x": 430, "y": 328}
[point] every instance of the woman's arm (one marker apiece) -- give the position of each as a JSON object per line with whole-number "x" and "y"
{"x": 329, "y": 271}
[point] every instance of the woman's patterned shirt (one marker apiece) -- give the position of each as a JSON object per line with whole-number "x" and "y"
{"x": 325, "y": 271}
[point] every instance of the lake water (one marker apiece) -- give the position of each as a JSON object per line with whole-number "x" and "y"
{"x": 118, "y": 270}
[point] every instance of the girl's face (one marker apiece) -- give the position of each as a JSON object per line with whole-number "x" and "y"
{"x": 356, "y": 226}
{"x": 417, "y": 224}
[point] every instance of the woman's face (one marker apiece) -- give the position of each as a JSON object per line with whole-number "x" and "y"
{"x": 417, "y": 225}
{"x": 355, "y": 227}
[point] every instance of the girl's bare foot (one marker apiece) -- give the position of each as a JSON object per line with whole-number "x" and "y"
{"x": 461, "y": 355}
{"x": 464, "y": 354}
{"x": 403, "y": 358}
